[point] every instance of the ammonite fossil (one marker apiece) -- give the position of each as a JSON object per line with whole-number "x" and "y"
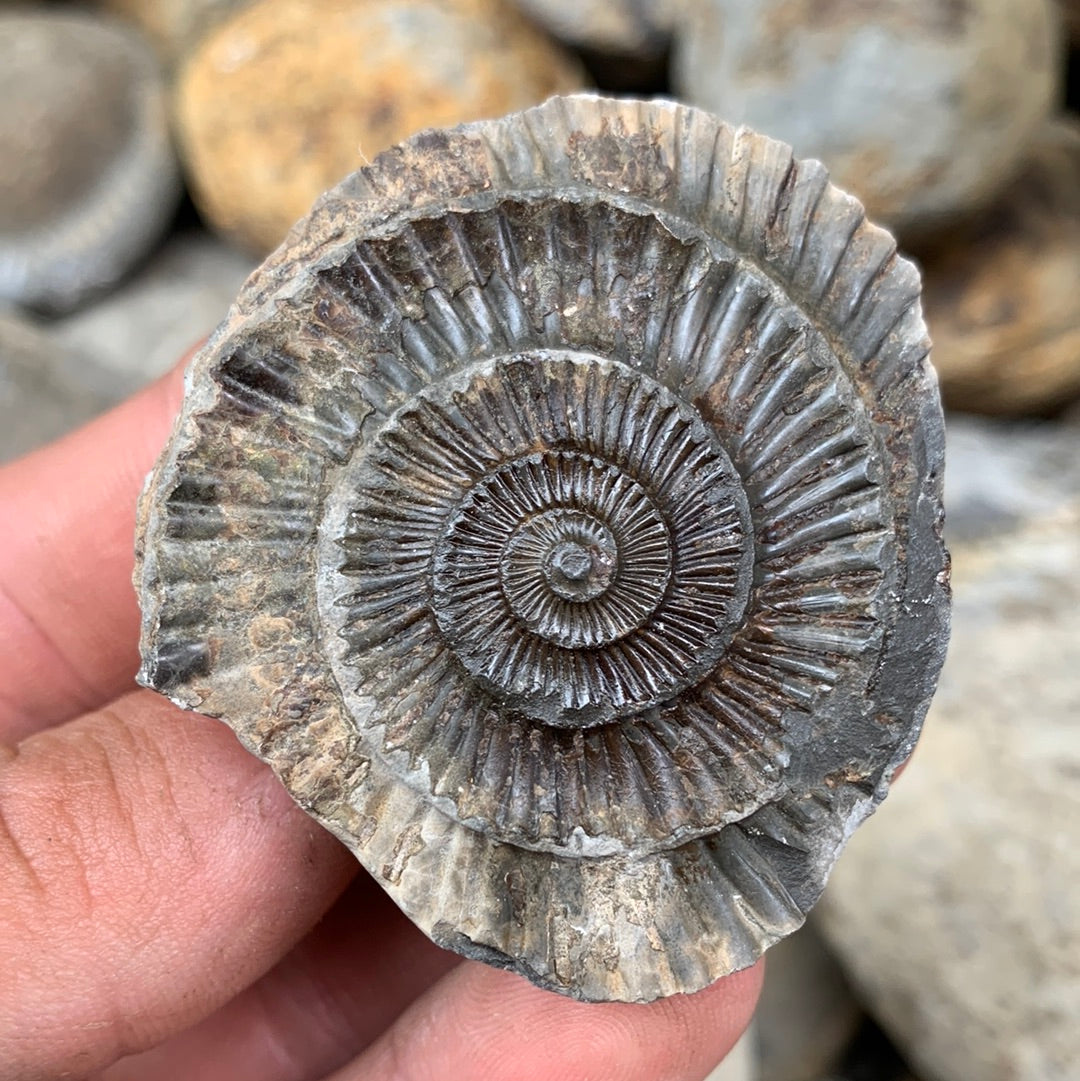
{"x": 558, "y": 513}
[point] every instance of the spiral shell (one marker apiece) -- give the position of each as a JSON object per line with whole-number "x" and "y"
{"x": 558, "y": 513}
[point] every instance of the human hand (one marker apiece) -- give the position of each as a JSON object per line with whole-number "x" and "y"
{"x": 167, "y": 912}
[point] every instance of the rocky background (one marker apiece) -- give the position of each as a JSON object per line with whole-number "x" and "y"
{"x": 152, "y": 151}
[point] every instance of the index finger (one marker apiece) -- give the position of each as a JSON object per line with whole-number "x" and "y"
{"x": 68, "y": 615}
{"x": 478, "y": 1023}
{"x": 150, "y": 868}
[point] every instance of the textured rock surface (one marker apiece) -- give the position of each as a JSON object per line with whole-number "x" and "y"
{"x": 922, "y": 108}
{"x": 1003, "y": 298}
{"x": 628, "y": 27}
{"x": 46, "y": 389}
{"x": 88, "y": 180}
{"x": 957, "y": 909}
{"x": 807, "y": 1015}
{"x": 288, "y": 96}
{"x": 150, "y": 322}
{"x": 558, "y": 512}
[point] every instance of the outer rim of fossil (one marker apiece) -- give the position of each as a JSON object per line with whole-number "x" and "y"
{"x": 591, "y": 927}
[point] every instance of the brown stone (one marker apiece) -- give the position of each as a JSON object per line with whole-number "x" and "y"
{"x": 288, "y": 96}
{"x": 173, "y": 26}
{"x": 1003, "y": 298}
{"x": 1071, "y": 10}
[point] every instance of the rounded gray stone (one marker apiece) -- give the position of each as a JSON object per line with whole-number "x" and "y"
{"x": 46, "y": 388}
{"x": 621, "y": 27}
{"x": 90, "y": 179}
{"x": 923, "y": 109}
{"x": 956, "y": 912}
{"x": 150, "y": 321}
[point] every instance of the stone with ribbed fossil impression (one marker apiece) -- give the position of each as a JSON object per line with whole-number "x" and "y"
{"x": 558, "y": 513}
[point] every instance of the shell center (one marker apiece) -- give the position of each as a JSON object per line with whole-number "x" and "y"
{"x": 571, "y": 530}
{"x": 578, "y": 572}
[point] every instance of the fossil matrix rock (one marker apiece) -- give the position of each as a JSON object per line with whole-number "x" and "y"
{"x": 558, "y": 513}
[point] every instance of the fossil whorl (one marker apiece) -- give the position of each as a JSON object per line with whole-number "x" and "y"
{"x": 558, "y": 513}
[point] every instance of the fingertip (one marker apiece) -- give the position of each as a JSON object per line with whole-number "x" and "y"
{"x": 146, "y": 838}
{"x": 481, "y": 1022}
{"x": 68, "y": 615}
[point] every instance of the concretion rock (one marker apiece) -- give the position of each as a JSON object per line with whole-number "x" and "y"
{"x": 150, "y": 322}
{"x": 957, "y": 909}
{"x": 174, "y": 26}
{"x": 46, "y": 389}
{"x": 558, "y": 513}
{"x": 807, "y": 1015}
{"x": 626, "y": 27}
{"x": 288, "y": 96}
{"x": 922, "y": 108}
{"x": 1003, "y": 298}
{"x": 88, "y": 179}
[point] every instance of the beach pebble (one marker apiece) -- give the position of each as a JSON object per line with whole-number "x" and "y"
{"x": 89, "y": 179}
{"x": 289, "y": 96}
{"x": 144, "y": 327}
{"x": 956, "y": 909}
{"x": 922, "y": 108}
{"x": 46, "y": 387}
{"x": 1002, "y": 298}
